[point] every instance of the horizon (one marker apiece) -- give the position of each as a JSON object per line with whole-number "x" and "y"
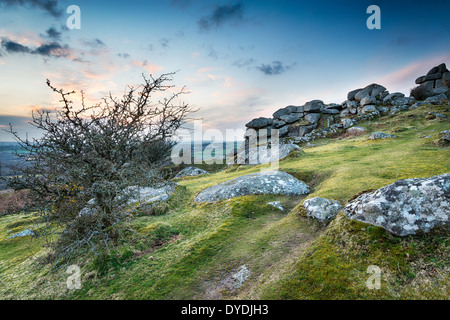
{"x": 239, "y": 60}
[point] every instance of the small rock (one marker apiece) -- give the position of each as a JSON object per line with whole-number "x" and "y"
{"x": 356, "y": 131}
{"x": 381, "y": 135}
{"x": 24, "y": 233}
{"x": 190, "y": 171}
{"x": 322, "y": 209}
{"x": 240, "y": 277}
{"x": 276, "y": 204}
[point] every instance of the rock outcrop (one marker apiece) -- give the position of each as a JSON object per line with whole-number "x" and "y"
{"x": 272, "y": 182}
{"x": 406, "y": 207}
{"x": 435, "y": 82}
{"x": 315, "y": 119}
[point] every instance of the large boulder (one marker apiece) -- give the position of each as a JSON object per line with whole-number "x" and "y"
{"x": 272, "y": 182}
{"x": 446, "y": 79}
{"x": 314, "y": 106}
{"x": 291, "y": 117}
{"x": 312, "y": 117}
{"x": 440, "y": 69}
{"x": 287, "y": 110}
{"x": 373, "y": 90}
{"x": 259, "y": 123}
{"x": 351, "y": 94}
{"x": 367, "y": 101}
{"x": 300, "y": 131}
{"x": 392, "y": 96}
{"x": 322, "y": 209}
{"x": 405, "y": 207}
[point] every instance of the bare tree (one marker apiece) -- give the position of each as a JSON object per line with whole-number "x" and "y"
{"x": 96, "y": 152}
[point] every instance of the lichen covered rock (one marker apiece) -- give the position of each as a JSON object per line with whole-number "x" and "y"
{"x": 322, "y": 209}
{"x": 271, "y": 182}
{"x": 405, "y": 207}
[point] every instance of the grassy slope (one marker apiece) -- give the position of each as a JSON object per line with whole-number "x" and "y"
{"x": 191, "y": 250}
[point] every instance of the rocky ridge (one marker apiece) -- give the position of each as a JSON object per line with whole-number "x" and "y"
{"x": 315, "y": 119}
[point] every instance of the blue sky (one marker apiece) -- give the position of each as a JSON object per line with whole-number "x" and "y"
{"x": 239, "y": 59}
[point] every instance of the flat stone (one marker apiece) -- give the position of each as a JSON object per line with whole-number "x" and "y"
{"x": 272, "y": 182}
{"x": 314, "y": 106}
{"x": 381, "y": 135}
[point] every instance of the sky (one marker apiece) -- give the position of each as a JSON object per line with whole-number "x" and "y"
{"x": 238, "y": 59}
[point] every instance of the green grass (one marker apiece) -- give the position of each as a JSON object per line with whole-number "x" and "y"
{"x": 186, "y": 250}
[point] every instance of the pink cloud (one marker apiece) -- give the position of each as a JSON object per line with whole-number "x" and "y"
{"x": 150, "y": 67}
{"x": 404, "y": 78}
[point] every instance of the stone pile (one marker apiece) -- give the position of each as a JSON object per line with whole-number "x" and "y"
{"x": 435, "y": 80}
{"x": 316, "y": 119}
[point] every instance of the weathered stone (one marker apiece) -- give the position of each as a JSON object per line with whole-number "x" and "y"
{"x": 259, "y": 123}
{"x": 417, "y": 104}
{"x": 402, "y": 100}
{"x": 329, "y": 111}
{"x": 190, "y": 171}
{"x": 383, "y": 110}
{"x": 138, "y": 196}
{"x": 434, "y": 76}
{"x": 406, "y": 207}
{"x": 297, "y": 109}
{"x": 272, "y": 182}
{"x": 392, "y": 96}
{"x": 240, "y": 277}
{"x": 322, "y": 209}
{"x": 292, "y": 117}
{"x": 372, "y": 90}
{"x": 367, "y": 101}
{"x": 283, "y": 131}
{"x": 351, "y": 94}
{"x": 344, "y": 113}
{"x": 276, "y": 204}
{"x": 22, "y": 234}
{"x": 300, "y": 131}
{"x": 439, "y": 99}
{"x": 369, "y": 109}
{"x": 278, "y": 123}
{"x": 356, "y": 131}
{"x": 446, "y": 79}
{"x": 280, "y": 112}
{"x": 347, "y": 123}
{"x": 334, "y": 106}
{"x": 381, "y": 135}
{"x": 312, "y": 117}
{"x": 420, "y": 80}
{"x": 440, "y": 69}
{"x": 314, "y": 106}
{"x": 350, "y": 104}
